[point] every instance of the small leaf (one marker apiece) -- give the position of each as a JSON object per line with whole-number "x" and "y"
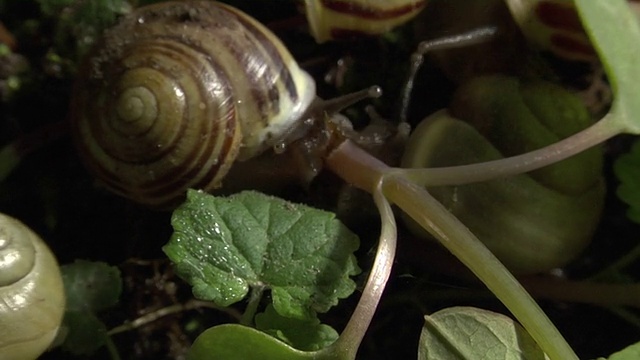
{"x": 631, "y": 352}
{"x": 221, "y": 246}
{"x": 85, "y": 333}
{"x": 461, "y": 333}
{"x": 308, "y": 335}
{"x": 91, "y": 286}
{"x": 237, "y": 342}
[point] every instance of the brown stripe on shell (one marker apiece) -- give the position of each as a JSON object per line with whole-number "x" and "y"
{"x": 559, "y": 16}
{"x": 571, "y": 45}
{"x": 372, "y": 13}
{"x": 223, "y": 134}
{"x": 108, "y": 109}
{"x": 265, "y": 43}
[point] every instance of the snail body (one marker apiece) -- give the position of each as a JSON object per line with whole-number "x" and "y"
{"x": 176, "y": 92}
{"x": 335, "y": 19}
{"x": 31, "y": 292}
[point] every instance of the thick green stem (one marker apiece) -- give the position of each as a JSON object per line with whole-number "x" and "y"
{"x": 586, "y": 292}
{"x": 350, "y": 162}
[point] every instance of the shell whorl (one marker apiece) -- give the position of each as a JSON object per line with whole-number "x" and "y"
{"x": 32, "y": 297}
{"x": 176, "y": 91}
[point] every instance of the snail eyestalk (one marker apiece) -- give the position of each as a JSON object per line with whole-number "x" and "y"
{"x": 472, "y": 37}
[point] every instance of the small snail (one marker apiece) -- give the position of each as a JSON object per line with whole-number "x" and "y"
{"x": 553, "y": 25}
{"x": 532, "y": 222}
{"x": 178, "y": 91}
{"x": 31, "y": 292}
{"x": 336, "y": 19}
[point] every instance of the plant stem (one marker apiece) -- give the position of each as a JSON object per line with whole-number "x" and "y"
{"x": 587, "y": 292}
{"x": 599, "y": 132}
{"x": 255, "y": 296}
{"x": 349, "y": 162}
{"x": 349, "y": 341}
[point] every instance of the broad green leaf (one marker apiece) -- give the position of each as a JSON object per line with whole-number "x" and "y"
{"x": 85, "y": 333}
{"x": 629, "y": 353}
{"x": 222, "y": 246}
{"x": 237, "y": 342}
{"x": 91, "y": 286}
{"x": 627, "y": 169}
{"x": 467, "y": 333}
{"x": 305, "y": 335}
{"x": 615, "y": 33}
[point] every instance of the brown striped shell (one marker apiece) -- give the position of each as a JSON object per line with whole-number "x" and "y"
{"x": 553, "y": 25}
{"x": 175, "y": 92}
{"x": 336, "y": 19}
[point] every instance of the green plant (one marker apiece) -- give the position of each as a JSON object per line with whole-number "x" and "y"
{"x": 613, "y": 31}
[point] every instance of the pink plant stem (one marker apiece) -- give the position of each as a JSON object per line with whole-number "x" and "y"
{"x": 369, "y": 171}
{"x": 458, "y": 175}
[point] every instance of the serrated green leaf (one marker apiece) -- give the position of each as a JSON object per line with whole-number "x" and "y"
{"x": 631, "y": 352}
{"x": 308, "y": 335}
{"x": 85, "y": 333}
{"x": 467, "y": 333}
{"x": 237, "y": 342}
{"x": 91, "y": 286}
{"x": 224, "y": 245}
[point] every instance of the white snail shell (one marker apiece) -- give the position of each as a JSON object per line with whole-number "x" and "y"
{"x": 31, "y": 292}
{"x": 176, "y": 92}
{"x": 335, "y": 19}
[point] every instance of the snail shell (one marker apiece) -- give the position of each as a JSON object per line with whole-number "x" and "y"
{"x": 336, "y": 19}
{"x": 553, "y": 25}
{"x": 31, "y": 292}
{"x": 175, "y": 92}
{"x": 532, "y": 222}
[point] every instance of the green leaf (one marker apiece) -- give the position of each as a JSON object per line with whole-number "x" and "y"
{"x": 461, "y": 333}
{"x": 222, "y": 246}
{"x": 615, "y": 33}
{"x": 85, "y": 333}
{"x": 629, "y": 353}
{"x": 627, "y": 170}
{"x": 305, "y": 335}
{"x": 91, "y": 286}
{"x": 237, "y": 342}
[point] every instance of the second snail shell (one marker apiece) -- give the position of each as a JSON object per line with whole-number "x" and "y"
{"x": 32, "y": 299}
{"x": 175, "y": 92}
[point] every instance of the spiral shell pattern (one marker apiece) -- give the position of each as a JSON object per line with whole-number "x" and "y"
{"x": 31, "y": 292}
{"x": 338, "y": 19}
{"x": 175, "y": 92}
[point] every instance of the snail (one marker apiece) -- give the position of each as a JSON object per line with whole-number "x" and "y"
{"x": 338, "y": 19}
{"x": 177, "y": 92}
{"x": 553, "y": 25}
{"x": 31, "y": 292}
{"x": 532, "y": 222}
